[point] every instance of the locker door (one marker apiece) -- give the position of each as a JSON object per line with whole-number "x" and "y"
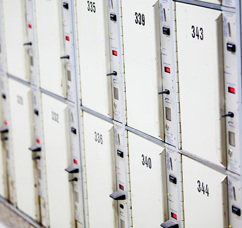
{"x": 94, "y": 55}
{"x": 148, "y": 182}
{"x": 200, "y": 48}
{"x": 142, "y": 66}
{"x": 50, "y": 46}
{"x": 57, "y": 152}
{"x": 205, "y": 196}
{"x": 100, "y": 171}
{"x": 21, "y": 125}
{"x": 15, "y": 37}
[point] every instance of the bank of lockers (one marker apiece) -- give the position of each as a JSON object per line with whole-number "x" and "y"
{"x": 121, "y": 114}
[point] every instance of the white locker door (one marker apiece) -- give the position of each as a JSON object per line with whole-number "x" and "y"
{"x": 15, "y": 37}
{"x": 94, "y": 55}
{"x": 100, "y": 171}
{"x": 143, "y": 66}
{"x": 21, "y": 132}
{"x": 205, "y": 196}
{"x": 148, "y": 182}
{"x": 200, "y": 51}
{"x": 50, "y": 46}
{"x": 57, "y": 153}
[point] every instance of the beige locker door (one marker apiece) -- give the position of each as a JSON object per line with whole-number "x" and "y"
{"x": 200, "y": 51}
{"x": 21, "y": 132}
{"x": 100, "y": 171}
{"x": 57, "y": 153}
{"x": 143, "y": 66}
{"x": 94, "y": 55}
{"x": 15, "y": 37}
{"x": 50, "y": 46}
{"x": 205, "y": 196}
{"x": 148, "y": 182}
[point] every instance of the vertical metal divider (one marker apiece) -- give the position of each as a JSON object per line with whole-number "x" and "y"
{"x": 79, "y": 115}
{"x": 6, "y": 115}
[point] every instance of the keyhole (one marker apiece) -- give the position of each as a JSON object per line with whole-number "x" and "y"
{"x": 229, "y": 29}
{"x": 234, "y": 193}
{"x": 171, "y": 163}
{"x": 164, "y": 12}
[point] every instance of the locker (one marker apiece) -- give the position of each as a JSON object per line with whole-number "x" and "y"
{"x": 205, "y": 196}
{"x": 142, "y": 66}
{"x": 200, "y": 57}
{"x": 57, "y": 153}
{"x": 100, "y": 171}
{"x": 21, "y": 125}
{"x": 51, "y": 46}
{"x": 94, "y": 56}
{"x": 15, "y": 37}
{"x": 148, "y": 182}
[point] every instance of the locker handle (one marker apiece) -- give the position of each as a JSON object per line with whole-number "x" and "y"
{"x": 118, "y": 196}
{"x": 65, "y": 57}
{"x": 114, "y": 73}
{"x": 36, "y": 158}
{"x": 73, "y": 179}
{"x": 165, "y": 92}
{"x": 4, "y": 138}
{"x": 3, "y": 130}
{"x": 169, "y": 224}
{"x": 35, "y": 148}
{"x": 230, "y": 114}
{"x": 29, "y": 44}
{"x": 72, "y": 169}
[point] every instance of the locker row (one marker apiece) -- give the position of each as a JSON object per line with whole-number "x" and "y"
{"x": 168, "y": 69}
{"x": 122, "y": 113}
{"x": 129, "y": 181}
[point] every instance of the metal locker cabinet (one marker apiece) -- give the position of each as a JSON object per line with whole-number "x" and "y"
{"x": 148, "y": 182}
{"x": 50, "y": 46}
{"x": 57, "y": 153}
{"x": 15, "y": 37}
{"x": 21, "y": 125}
{"x": 94, "y": 56}
{"x": 100, "y": 171}
{"x": 143, "y": 66}
{"x": 200, "y": 51}
{"x": 205, "y": 196}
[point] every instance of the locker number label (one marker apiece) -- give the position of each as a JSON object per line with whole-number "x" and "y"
{"x": 98, "y": 137}
{"x": 202, "y": 188}
{"x": 146, "y": 161}
{"x": 139, "y": 19}
{"x": 91, "y": 6}
{"x": 20, "y": 100}
{"x": 197, "y": 32}
{"x": 55, "y": 116}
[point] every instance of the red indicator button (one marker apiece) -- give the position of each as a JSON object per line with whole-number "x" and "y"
{"x": 121, "y": 187}
{"x": 6, "y": 123}
{"x": 75, "y": 161}
{"x": 38, "y": 141}
{"x": 231, "y": 90}
{"x": 67, "y": 38}
{"x": 168, "y": 70}
{"x": 173, "y": 215}
{"x": 115, "y": 53}
{"x": 30, "y": 26}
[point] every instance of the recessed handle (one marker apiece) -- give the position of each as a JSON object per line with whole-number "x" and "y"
{"x": 114, "y": 73}
{"x": 73, "y": 179}
{"x": 72, "y": 169}
{"x": 36, "y": 158}
{"x": 118, "y": 196}
{"x": 166, "y": 91}
{"x": 229, "y": 114}
{"x": 28, "y": 44}
{"x": 4, "y": 130}
{"x": 65, "y": 57}
{"x": 4, "y": 139}
{"x": 35, "y": 148}
{"x": 169, "y": 224}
